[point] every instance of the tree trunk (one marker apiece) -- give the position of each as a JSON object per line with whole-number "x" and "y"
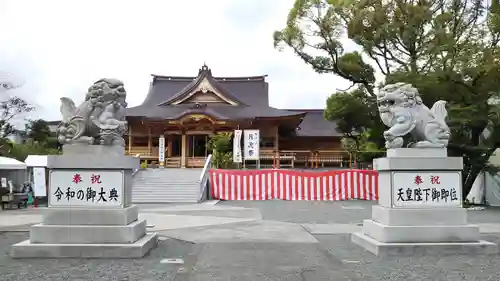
{"x": 471, "y": 171}
{"x": 469, "y": 181}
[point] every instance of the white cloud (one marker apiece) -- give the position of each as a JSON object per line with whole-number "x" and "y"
{"x": 60, "y": 47}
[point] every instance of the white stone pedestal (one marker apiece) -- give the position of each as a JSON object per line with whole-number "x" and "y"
{"x": 90, "y": 213}
{"x": 419, "y": 209}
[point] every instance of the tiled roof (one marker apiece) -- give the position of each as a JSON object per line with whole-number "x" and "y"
{"x": 251, "y": 93}
{"x": 314, "y": 124}
{"x": 204, "y": 73}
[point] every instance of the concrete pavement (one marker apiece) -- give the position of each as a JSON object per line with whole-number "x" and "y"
{"x": 272, "y": 240}
{"x": 212, "y": 222}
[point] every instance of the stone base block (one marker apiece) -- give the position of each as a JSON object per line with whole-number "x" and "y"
{"x": 421, "y": 234}
{"x": 441, "y": 152}
{"x": 394, "y": 164}
{"x": 87, "y": 234}
{"x": 140, "y": 248}
{"x": 419, "y": 217}
{"x": 410, "y": 249}
{"x": 92, "y": 157}
{"x": 81, "y": 216}
{"x": 85, "y": 149}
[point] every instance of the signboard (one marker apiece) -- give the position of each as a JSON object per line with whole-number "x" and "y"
{"x": 161, "y": 149}
{"x": 237, "y": 146}
{"x": 251, "y": 144}
{"x": 39, "y": 182}
{"x": 73, "y": 188}
{"x": 426, "y": 190}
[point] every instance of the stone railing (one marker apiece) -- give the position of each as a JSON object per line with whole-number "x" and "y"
{"x": 204, "y": 177}
{"x": 136, "y": 170}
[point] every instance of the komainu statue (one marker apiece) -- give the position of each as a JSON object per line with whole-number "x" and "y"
{"x": 99, "y": 120}
{"x": 401, "y": 108}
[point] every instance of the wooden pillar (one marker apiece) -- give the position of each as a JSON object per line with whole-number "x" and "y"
{"x": 276, "y": 147}
{"x": 183, "y": 150}
{"x": 149, "y": 141}
{"x": 169, "y": 146}
{"x": 129, "y": 139}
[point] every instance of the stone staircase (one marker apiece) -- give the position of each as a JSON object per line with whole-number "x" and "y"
{"x": 173, "y": 162}
{"x": 166, "y": 185}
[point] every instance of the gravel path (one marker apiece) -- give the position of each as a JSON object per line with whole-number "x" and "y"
{"x": 417, "y": 268}
{"x": 334, "y": 257}
{"x": 146, "y": 269}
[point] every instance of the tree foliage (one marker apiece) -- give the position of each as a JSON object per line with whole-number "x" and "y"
{"x": 22, "y": 151}
{"x": 448, "y": 49}
{"x": 220, "y": 145}
{"x": 11, "y": 107}
{"x": 38, "y": 130}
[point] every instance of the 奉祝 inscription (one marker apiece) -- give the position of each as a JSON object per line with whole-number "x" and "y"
{"x": 86, "y": 188}
{"x": 439, "y": 189}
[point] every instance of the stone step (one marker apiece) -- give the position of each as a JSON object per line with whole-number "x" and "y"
{"x": 26, "y": 249}
{"x": 163, "y": 197}
{"x": 91, "y": 216}
{"x": 165, "y": 182}
{"x": 382, "y": 249}
{"x": 165, "y": 186}
{"x": 168, "y": 180}
{"x": 421, "y": 234}
{"x": 166, "y": 199}
{"x": 171, "y": 194}
{"x": 88, "y": 234}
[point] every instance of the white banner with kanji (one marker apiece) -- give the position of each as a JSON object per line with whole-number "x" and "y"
{"x": 237, "y": 146}
{"x": 251, "y": 144}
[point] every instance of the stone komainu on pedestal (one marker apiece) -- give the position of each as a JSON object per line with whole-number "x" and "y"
{"x": 90, "y": 212}
{"x": 419, "y": 209}
{"x": 402, "y": 109}
{"x": 100, "y": 119}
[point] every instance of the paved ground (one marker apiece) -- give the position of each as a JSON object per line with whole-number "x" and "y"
{"x": 273, "y": 240}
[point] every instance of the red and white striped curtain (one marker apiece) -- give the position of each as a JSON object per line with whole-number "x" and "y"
{"x": 293, "y": 185}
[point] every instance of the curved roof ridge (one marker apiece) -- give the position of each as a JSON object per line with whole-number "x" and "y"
{"x": 253, "y": 77}
{"x": 204, "y": 73}
{"x": 216, "y": 78}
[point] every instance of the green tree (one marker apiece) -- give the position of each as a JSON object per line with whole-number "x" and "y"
{"x": 220, "y": 145}
{"x": 354, "y": 113}
{"x": 21, "y": 151}
{"x": 38, "y": 130}
{"x": 447, "y": 48}
{"x": 9, "y": 109}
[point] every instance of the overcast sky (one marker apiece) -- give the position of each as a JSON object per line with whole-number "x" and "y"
{"x": 60, "y": 47}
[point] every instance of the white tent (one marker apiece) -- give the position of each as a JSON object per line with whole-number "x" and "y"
{"x": 36, "y": 161}
{"x": 11, "y": 164}
{"x": 38, "y": 173}
{"x": 486, "y": 188}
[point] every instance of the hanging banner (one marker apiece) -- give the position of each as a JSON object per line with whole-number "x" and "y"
{"x": 251, "y": 144}
{"x": 237, "y": 146}
{"x": 39, "y": 182}
{"x": 161, "y": 149}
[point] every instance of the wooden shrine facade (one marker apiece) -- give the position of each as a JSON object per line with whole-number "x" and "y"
{"x": 187, "y": 110}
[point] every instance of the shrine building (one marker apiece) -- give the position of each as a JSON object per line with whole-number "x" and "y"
{"x": 185, "y": 111}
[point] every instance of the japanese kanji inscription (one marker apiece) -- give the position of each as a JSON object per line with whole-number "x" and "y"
{"x": 86, "y": 188}
{"x": 438, "y": 189}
